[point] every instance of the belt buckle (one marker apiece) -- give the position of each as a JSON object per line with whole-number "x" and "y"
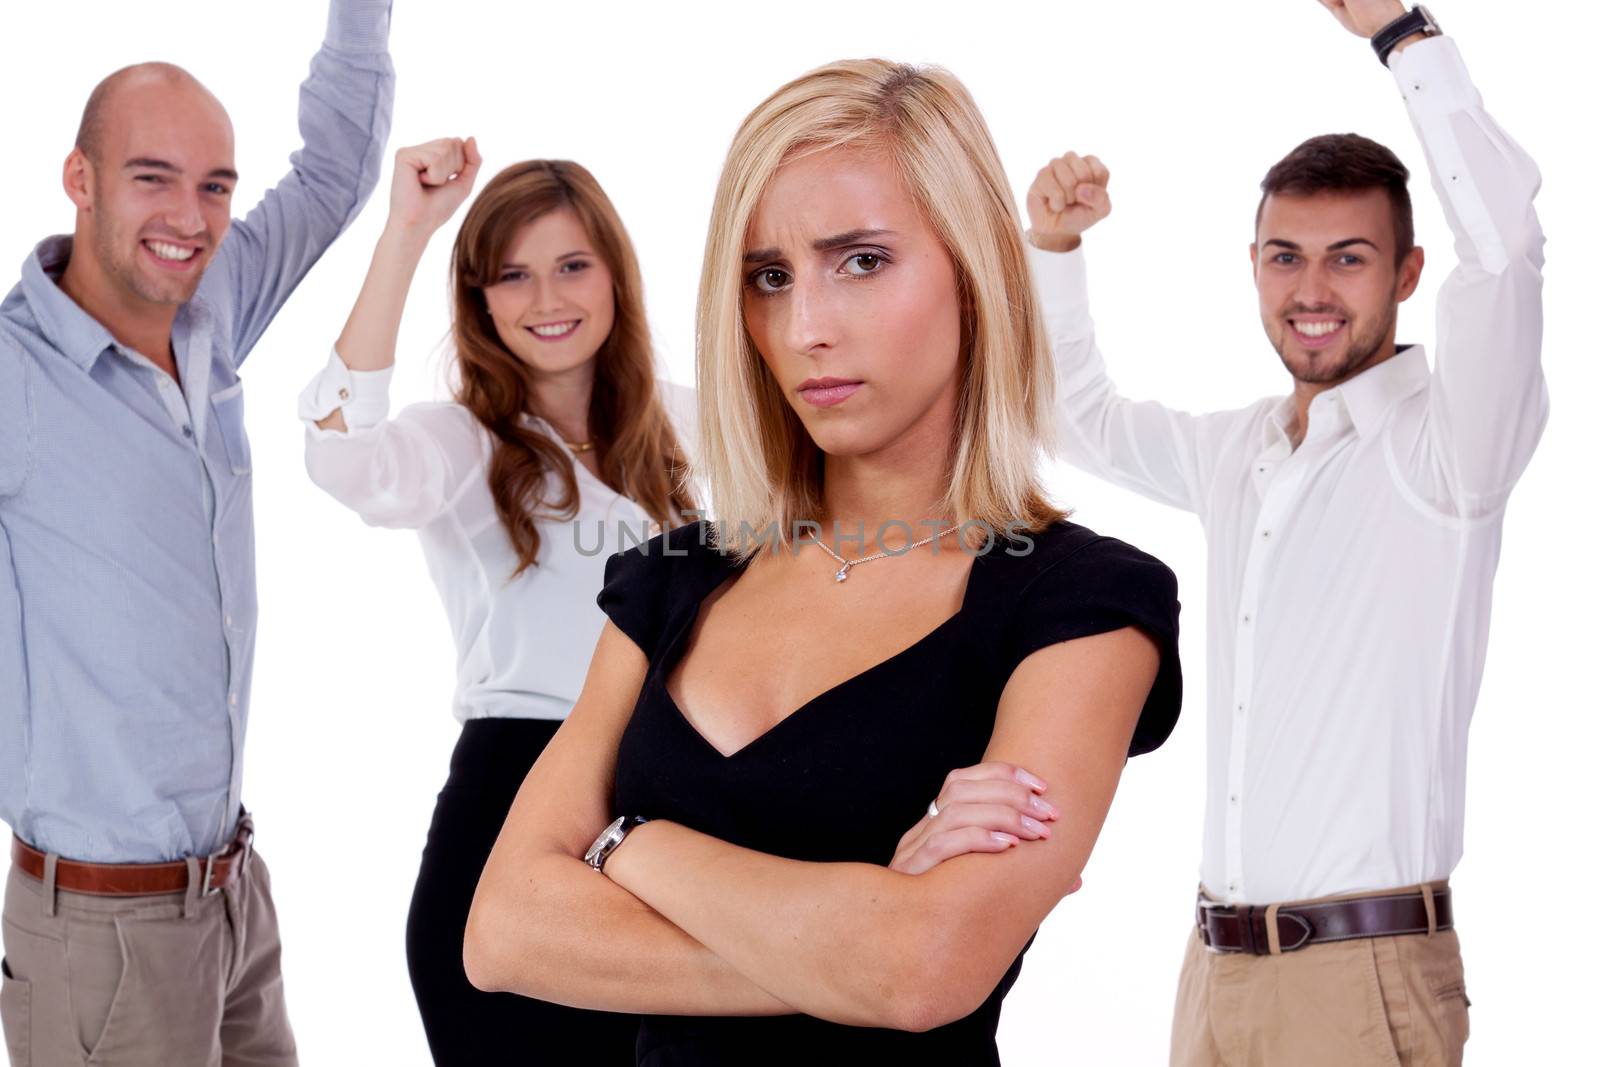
{"x": 206, "y": 888}
{"x": 1202, "y": 905}
{"x": 247, "y": 834}
{"x": 244, "y": 839}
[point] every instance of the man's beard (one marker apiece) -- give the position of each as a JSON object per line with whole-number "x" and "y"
{"x": 1359, "y": 352}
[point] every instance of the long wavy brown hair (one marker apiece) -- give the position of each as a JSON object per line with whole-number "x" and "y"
{"x": 638, "y": 452}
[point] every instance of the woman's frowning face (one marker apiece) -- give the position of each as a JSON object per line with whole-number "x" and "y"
{"x": 852, "y": 301}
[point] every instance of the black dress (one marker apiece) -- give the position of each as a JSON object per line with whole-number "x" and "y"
{"x": 843, "y": 777}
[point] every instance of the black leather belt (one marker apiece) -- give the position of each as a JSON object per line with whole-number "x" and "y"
{"x": 1243, "y": 928}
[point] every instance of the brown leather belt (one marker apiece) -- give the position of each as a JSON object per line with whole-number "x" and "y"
{"x": 217, "y": 871}
{"x": 1243, "y": 928}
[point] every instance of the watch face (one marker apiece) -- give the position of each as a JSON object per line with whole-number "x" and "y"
{"x": 608, "y": 840}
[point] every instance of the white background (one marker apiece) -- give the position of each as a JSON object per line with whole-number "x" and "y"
{"x": 1189, "y": 104}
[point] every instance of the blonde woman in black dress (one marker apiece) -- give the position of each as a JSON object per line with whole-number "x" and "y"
{"x": 765, "y": 715}
{"x": 559, "y": 437}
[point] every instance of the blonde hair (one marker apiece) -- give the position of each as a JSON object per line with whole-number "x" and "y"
{"x": 761, "y": 466}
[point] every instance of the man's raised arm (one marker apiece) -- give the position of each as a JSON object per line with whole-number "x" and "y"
{"x": 1488, "y": 406}
{"x": 345, "y": 109}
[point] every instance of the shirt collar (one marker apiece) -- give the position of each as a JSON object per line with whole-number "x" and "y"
{"x": 1276, "y": 428}
{"x": 1369, "y": 395}
{"x": 1364, "y": 399}
{"x": 71, "y": 330}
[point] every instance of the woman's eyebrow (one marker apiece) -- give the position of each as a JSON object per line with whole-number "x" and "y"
{"x": 823, "y": 244}
{"x": 849, "y": 237}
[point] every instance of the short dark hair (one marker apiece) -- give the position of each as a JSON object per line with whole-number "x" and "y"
{"x": 1345, "y": 163}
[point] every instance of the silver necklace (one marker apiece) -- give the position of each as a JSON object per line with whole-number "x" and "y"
{"x": 845, "y": 564}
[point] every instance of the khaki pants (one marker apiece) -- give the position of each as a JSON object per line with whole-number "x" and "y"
{"x": 1389, "y": 1001}
{"x": 173, "y": 980}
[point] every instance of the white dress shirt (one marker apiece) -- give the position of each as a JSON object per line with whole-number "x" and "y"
{"x": 1350, "y": 578}
{"x": 524, "y": 645}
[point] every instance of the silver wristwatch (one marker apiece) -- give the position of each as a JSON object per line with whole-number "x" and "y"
{"x": 610, "y": 838}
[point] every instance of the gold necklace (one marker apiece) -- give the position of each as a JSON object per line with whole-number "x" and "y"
{"x": 578, "y": 446}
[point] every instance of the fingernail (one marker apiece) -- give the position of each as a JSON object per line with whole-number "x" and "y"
{"x": 1003, "y": 839}
{"x": 1043, "y": 807}
{"x": 1032, "y": 781}
{"x": 1034, "y": 826}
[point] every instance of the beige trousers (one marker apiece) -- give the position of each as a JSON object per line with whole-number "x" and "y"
{"x": 1383, "y": 1002}
{"x": 173, "y": 980}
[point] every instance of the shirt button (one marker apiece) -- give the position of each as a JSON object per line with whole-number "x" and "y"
{"x": 1234, "y": 799}
{"x": 344, "y": 394}
{"x": 1265, "y": 534}
{"x": 227, "y": 620}
{"x": 1240, "y": 709}
{"x": 233, "y": 700}
{"x": 1233, "y": 887}
{"x": 1247, "y": 618}
{"x": 188, "y": 431}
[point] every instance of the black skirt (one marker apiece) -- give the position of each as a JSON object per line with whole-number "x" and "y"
{"x": 466, "y": 1026}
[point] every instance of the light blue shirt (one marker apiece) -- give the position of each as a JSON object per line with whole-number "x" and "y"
{"x": 127, "y": 548}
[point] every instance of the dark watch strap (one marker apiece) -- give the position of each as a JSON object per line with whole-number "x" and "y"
{"x": 1417, "y": 20}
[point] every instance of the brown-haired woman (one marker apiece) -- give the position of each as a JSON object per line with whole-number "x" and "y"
{"x": 558, "y": 434}
{"x": 559, "y": 448}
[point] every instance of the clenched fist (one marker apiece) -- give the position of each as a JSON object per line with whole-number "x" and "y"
{"x": 1066, "y": 198}
{"x": 430, "y": 181}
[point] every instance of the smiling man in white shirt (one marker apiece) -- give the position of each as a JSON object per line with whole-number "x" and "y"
{"x": 1353, "y": 529}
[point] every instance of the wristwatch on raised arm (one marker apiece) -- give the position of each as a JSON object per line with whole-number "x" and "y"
{"x": 1417, "y": 20}
{"x": 610, "y": 838}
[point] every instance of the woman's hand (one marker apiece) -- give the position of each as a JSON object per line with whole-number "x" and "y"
{"x": 1067, "y": 196}
{"x": 430, "y": 182}
{"x": 987, "y": 808}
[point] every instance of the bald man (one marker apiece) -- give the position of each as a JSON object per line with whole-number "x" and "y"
{"x": 139, "y": 925}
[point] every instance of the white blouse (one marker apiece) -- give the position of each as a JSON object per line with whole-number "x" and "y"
{"x": 522, "y": 645}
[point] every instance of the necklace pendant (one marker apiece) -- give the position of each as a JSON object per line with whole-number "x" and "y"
{"x": 842, "y": 573}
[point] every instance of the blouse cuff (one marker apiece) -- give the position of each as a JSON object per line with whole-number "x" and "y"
{"x": 1061, "y": 281}
{"x": 363, "y": 395}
